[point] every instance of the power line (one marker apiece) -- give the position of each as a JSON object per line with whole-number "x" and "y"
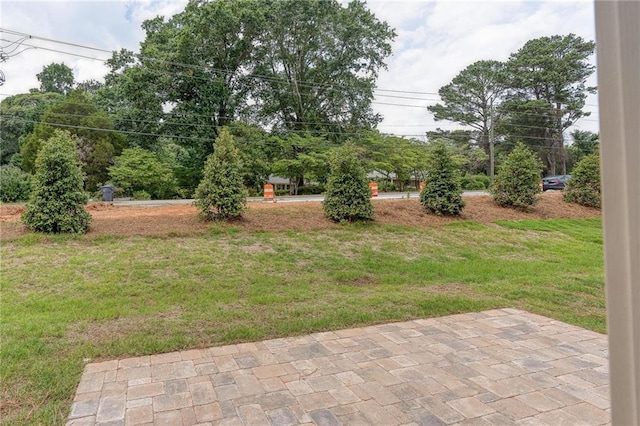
{"x": 29, "y": 36}
{"x": 191, "y": 66}
{"x": 174, "y": 123}
{"x": 258, "y": 76}
{"x": 317, "y": 132}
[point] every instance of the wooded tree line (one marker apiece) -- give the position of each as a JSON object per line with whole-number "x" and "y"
{"x": 292, "y": 81}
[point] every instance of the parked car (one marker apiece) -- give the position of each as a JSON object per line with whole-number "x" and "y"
{"x": 555, "y": 182}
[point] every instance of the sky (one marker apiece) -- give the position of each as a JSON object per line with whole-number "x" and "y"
{"x": 435, "y": 41}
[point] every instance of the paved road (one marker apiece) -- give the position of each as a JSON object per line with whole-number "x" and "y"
{"x": 283, "y": 199}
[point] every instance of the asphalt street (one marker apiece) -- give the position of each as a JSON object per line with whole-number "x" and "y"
{"x": 281, "y": 199}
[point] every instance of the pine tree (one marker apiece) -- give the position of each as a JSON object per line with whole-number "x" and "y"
{"x": 441, "y": 194}
{"x": 517, "y": 183}
{"x": 347, "y": 196}
{"x": 221, "y": 193}
{"x": 57, "y": 199}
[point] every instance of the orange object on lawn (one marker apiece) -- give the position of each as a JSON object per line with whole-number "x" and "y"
{"x": 269, "y": 195}
{"x": 373, "y": 186}
{"x": 422, "y": 185}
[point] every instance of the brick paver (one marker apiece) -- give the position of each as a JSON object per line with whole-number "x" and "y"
{"x": 497, "y": 367}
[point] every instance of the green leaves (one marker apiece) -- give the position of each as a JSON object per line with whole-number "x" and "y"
{"x": 56, "y": 78}
{"x": 441, "y": 194}
{"x": 547, "y": 77}
{"x": 317, "y": 63}
{"x": 57, "y": 198}
{"x": 584, "y": 186}
{"x": 221, "y": 193}
{"x": 15, "y": 184}
{"x": 347, "y": 197}
{"x": 517, "y": 183}
{"x": 139, "y": 170}
{"x": 96, "y": 143}
{"x": 19, "y": 115}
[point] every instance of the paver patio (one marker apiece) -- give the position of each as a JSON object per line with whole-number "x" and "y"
{"x": 499, "y": 367}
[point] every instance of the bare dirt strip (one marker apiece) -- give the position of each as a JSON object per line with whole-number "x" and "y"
{"x": 109, "y": 219}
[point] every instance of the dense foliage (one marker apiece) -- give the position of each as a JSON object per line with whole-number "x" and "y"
{"x": 584, "y": 186}
{"x": 517, "y": 182}
{"x": 57, "y": 198}
{"x": 475, "y": 182}
{"x": 293, "y": 80}
{"x": 138, "y": 170}
{"x": 15, "y": 184}
{"x": 96, "y": 143}
{"x": 221, "y": 193}
{"x": 19, "y": 115}
{"x": 56, "y": 78}
{"x": 347, "y": 196}
{"x": 441, "y": 194}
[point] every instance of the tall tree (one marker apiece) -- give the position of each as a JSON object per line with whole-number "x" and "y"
{"x": 548, "y": 90}
{"x": 19, "y": 114}
{"x": 189, "y": 77}
{"x": 130, "y": 95}
{"x": 97, "y": 144}
{"x": 583, "y": 143}
{"x": 472, "y": 98}
{"x": 56, "y": 78}
{"x": 300, "y": 155}
{"x": 317, "y": 65}
{"x": 392, "y": 156}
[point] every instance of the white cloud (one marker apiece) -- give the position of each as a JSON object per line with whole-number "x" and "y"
{"x": 454, "y": 34}
{"x": 436, "y": 40}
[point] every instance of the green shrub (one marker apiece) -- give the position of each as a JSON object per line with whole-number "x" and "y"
{"x": 311, "y": 189}
{"x": 140, "y": 170}
{"x": 141, "y": 195}
{"x": 386, "y": 186}
{"x": 475, "y": 182}
{"x": 221, "y": 193}
{"x": 517, "y": 183}
{"x": 584, "y": 186}
{"x": 281, "y": 192}
{"x": 441, "y": 194}
{"x": 57, "y": 197}
{"x": 347, "y": 196}
{"x": 15, "y": 184}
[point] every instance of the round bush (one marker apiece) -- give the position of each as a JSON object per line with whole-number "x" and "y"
{"x": 347, "y": 197}
{"x": 517, "y": 183}
{"x": 15, "y": 184}
{"x": 475, "y": 182}
{"x": 584, "y": 186}
{"x": 57, "y": 198}
{"x": 441, "y": 194}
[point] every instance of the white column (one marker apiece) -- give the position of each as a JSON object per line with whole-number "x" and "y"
{"x": 618, "y": 51}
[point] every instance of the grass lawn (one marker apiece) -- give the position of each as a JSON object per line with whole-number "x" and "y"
{"x": 65, "y": 300}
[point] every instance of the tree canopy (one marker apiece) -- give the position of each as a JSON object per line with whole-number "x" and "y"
{"x": 56, "y": 78}
{"x": 97, "y": 144}
{"x": 547, "y": 80}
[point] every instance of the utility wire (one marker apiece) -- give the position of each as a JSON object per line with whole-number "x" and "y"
{"x": 206, "y": 68}
{"x": 317, "y": 132}
{"x": 174, "y": 123}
